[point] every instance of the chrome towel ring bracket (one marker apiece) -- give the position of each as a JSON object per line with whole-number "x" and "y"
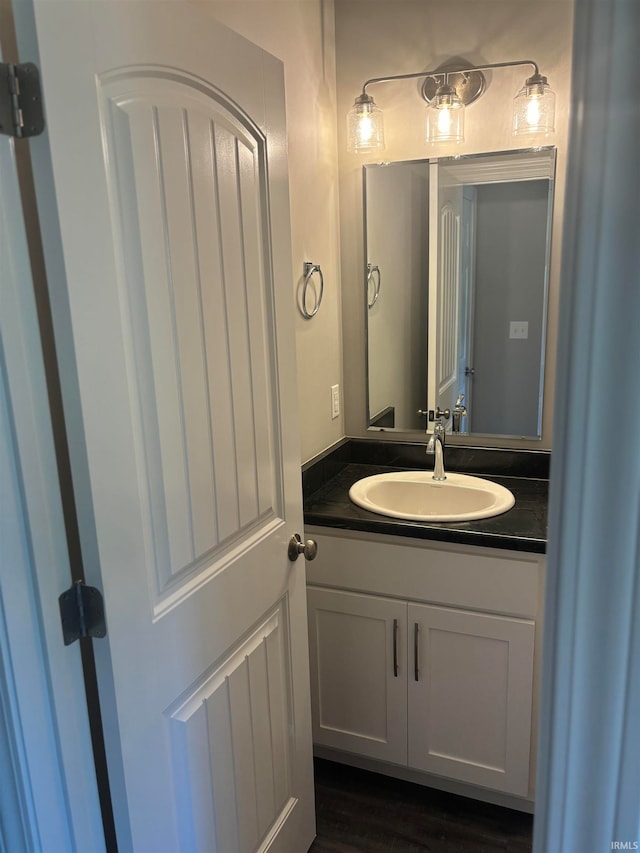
{"x": 373, "y": 277}
{"x": 309, "y": 271}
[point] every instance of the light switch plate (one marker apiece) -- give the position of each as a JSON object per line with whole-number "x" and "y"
{"x": 335, "y": 401}
{"x": 519, "y": 329}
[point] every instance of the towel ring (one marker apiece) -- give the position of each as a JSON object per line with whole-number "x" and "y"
{"x": 309, "y": 270}
{"x": 373, "y": 275}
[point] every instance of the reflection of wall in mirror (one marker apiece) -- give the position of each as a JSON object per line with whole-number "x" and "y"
{"x": 511, "y": 234}
{"x": 397, "y": 242}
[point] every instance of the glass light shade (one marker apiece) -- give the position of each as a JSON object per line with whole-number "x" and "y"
{"x": 534, "y": 107}
{"x": 365, "y": 127}
{"x": 445, "y": 116}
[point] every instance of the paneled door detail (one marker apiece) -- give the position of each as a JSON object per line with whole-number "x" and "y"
{"x": 239, "y": 717}
{"x": 187, "y": 184}
{"x": 174, "y": 324}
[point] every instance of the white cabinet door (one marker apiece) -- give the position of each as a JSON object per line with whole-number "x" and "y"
{"x": 358, "y": 654}
{"x": 470, "y": 707}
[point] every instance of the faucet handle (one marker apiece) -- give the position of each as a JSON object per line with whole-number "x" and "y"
{"x": 460, "y": 409}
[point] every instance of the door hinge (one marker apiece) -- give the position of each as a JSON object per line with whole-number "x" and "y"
{"x": 81, "y": 613}
{"x": 21, "y": 112}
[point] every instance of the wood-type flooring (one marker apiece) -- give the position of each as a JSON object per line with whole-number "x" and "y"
{"x": 362, "y": 812}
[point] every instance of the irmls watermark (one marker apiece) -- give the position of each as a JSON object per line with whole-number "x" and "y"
{"x": 625, "y": 845}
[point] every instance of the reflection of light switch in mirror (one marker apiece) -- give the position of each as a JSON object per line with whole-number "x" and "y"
{"x": 519, "y": 329}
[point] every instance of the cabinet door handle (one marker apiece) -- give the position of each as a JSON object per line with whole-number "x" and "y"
{"x": 416, "y": 671}
{"x": 395, "y": 648}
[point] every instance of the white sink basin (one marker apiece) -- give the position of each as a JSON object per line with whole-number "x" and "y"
{"x": 415, "y": 495}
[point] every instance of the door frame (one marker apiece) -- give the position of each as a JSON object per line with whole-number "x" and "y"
{"x": 589, "y": 745}
{"x": 44, "y": 716}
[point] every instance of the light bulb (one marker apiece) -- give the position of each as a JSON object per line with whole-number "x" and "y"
{"x": 365, "y": 127}
{"x": 365, "y": 130}
{"x": 533, "y": 112}
{"x": 444, "y": 121}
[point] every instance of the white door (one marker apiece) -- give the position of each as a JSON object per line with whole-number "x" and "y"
{"x": 444, "y": 291}
{"x": 467, "y": 301}
{"x": 175, "y": 333}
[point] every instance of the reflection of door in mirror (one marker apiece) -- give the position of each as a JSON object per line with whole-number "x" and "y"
{"x": 451, "y": 288}
{"x": 397, "y": 227}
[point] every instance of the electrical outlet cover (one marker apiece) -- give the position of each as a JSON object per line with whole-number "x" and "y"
{"x": 519, "y": 329}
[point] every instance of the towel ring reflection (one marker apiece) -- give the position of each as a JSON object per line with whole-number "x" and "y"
{"x": 309, "y": 270}
{"x": 373, "y": 275}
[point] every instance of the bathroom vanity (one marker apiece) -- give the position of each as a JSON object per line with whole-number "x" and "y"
{"x": 425, "y": 638}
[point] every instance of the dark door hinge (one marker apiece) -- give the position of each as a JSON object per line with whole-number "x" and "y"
{"x": 81, "y": 613}
{"x": 21, "y": 112}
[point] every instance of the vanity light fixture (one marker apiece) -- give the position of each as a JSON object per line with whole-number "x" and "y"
{"x": 447, "y": 91}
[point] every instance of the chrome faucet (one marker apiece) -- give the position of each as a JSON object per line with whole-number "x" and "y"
{"x": 436, "y": 446}
{"x": 458, "y": 412}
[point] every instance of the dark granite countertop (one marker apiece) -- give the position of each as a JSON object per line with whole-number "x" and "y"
{"x": 522, "y": 528}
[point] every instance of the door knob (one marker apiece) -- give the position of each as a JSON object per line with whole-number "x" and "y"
{"x": 297, "y": 547}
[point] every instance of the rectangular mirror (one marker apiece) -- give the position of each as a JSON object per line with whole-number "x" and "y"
{"x": 457, "y": 273}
